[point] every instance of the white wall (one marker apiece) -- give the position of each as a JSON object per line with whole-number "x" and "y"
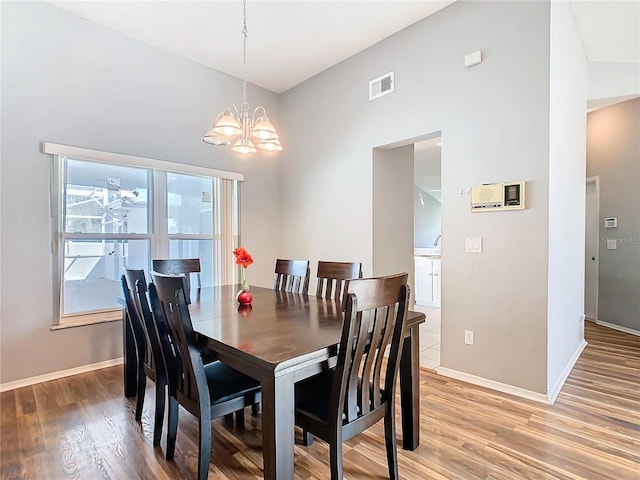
{"x": 567, "y": 177}
{"x": 494, "y": 119}
{"x": 69, "y": 81}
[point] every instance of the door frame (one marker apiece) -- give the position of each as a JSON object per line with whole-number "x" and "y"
{"x": 596, "y": 181}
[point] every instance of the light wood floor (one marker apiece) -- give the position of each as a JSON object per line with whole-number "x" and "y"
{"x": 82, "y": 427}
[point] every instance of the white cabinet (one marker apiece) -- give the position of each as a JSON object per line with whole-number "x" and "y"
{"x": 427, "y": 281}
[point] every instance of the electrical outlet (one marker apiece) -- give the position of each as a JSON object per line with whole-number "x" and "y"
{"x": 468, "y": 337}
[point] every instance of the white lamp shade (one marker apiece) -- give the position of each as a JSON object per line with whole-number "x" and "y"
{"x": 264, "y": 130}
{"x": 213, "y": 138}
{"x": 244, "y": 146}
{"x": 227, "y": 125}
{"x": 270, "y": 145}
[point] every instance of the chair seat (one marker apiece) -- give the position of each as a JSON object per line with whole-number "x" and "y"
{"x": 226, "y": 383}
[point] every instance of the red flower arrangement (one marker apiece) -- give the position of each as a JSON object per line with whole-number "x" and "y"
{"x": 244, "y": 259}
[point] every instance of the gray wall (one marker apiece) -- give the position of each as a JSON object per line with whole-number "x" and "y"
{"x": 426, "y": 219}
{"x": 494, "y": 120}
{"x": 66, "y": 80}
{"x": 392, "y": 211}
{"x": 613, "y": 153}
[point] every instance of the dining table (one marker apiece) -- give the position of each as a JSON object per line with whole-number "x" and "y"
{"x": 280, "y": 339}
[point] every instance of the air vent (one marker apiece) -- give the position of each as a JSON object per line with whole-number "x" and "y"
{"x": 381, "y": 86}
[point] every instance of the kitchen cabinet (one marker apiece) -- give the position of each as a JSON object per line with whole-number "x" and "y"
{"x": 427, "y": 281}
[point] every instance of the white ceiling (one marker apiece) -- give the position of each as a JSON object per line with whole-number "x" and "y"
{"x": 291, "y": 41}
{"x": 288, "y": 41}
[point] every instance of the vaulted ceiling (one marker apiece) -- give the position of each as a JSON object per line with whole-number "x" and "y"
{"x": 291, "y": 41}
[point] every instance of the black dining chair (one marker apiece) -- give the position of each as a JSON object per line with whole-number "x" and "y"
{"x": 206, "y": 391}
{"x": 177, "y": 266}
{"x": 332, "y": 278}
{"x": 292, "y": 276}
{"x": 348, "y": 399}
{"x": 149, "y": 353}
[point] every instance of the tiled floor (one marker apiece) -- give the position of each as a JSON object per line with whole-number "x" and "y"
{"x": 429, "y": 337}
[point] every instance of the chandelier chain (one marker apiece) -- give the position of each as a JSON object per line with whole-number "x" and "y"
{"x": 245, "y": 105}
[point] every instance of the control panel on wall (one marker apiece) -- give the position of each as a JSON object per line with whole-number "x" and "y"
{"x": 495, "y": 197}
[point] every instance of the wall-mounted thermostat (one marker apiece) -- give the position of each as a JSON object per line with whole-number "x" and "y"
{"x": 495, "y": 197}
{"x": 611, "y": 222}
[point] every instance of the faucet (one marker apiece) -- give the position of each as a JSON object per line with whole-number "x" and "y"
{"x": 435, "y": 243}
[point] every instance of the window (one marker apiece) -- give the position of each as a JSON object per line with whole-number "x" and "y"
{"x": 112, "y": 211}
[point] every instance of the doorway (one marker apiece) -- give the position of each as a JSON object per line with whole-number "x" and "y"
{"x": 395, "y": 201}
{"x": 591, "y": 252}
{"x": 427, "y": 209}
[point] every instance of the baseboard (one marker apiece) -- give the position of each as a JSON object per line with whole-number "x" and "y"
{"x": 630, "y": 331}
{"x": 493, "y": 385}
{"x": 25, "y": 382}
{"x": 555, "y": 390}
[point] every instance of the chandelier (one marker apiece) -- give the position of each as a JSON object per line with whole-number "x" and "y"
{"x": 235, "y": 127}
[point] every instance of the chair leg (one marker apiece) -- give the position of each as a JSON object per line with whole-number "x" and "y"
{"x": 204, "y": 453}
{"x": 160, "y": 401}
{"x": 240, "y": 419}
{"x": 140, "y": 389}
{"x": 307, "y": 438}
{"x": 390, "y": 443}
{"x": 172, "y": 426}
{"x": 255, "y": 408}
{"x": 335, "y": 455}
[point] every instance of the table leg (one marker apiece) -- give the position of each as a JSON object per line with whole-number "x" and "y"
{"x": 130, "y": 357}
{"x": 278, "y": 423}
{"x": 410, "y": 389}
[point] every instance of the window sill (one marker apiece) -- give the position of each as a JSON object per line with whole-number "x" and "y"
{"x": 88, "y": 319}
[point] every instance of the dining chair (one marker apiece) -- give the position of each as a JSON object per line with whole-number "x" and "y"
{"x": 149, "y": 353}
{"x": 332, "y": 278}
{"x": 139, "y": 340}
{"x": 348, "y": 399}
{"x": 176, "y": 266}
{"x": 206, "y": 391}
{"x": 292, "y": 276}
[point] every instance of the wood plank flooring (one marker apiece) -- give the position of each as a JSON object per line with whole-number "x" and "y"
{"x": 82, "y": 427}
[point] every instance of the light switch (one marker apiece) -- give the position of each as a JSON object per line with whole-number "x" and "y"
{"x": 611, "y": 244}
{"x": 473, "y": 245}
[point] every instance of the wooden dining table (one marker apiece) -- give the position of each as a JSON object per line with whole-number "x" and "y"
{"x": 279, "y": 339}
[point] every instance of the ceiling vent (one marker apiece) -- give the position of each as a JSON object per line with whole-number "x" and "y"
{"x": 381, "y": 86}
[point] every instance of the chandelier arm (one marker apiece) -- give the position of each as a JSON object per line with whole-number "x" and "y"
{"x": 264, "y": 111}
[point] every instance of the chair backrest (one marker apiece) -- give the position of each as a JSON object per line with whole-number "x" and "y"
{"x": 176, "y": 266}
{"x": 375, "y": 312}
{"x": 156, "y": 331}
{"x": 168, "y": 297}
{"x": 292, "y": 276}
{"x": 333, "y": 276}
{"x": 134, "y": 317}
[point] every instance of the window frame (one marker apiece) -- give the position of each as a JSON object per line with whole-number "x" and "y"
{"x": 157, "y": 231}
